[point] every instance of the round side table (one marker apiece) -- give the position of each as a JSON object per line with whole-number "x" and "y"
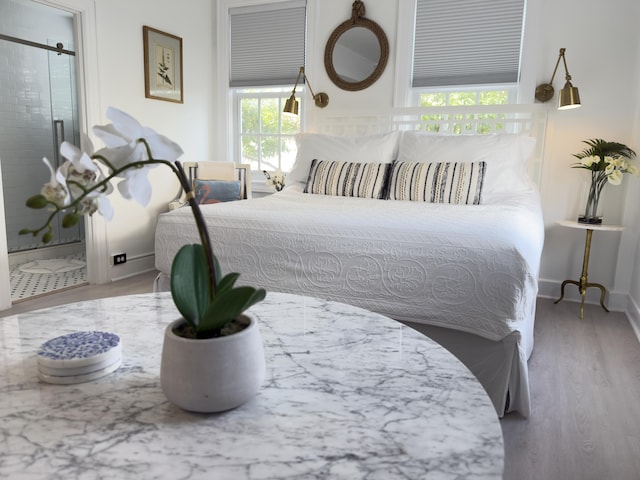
{"x": 583, "y": 283}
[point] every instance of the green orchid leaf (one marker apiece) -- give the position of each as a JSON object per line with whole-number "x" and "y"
{"x": 227, "y": 282}
{"x": 190, "y": 283}
{"x": 228, "y": 306}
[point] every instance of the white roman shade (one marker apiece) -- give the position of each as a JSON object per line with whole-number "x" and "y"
{"x": 467, "y": 42}
{"x": 267, "y": 43}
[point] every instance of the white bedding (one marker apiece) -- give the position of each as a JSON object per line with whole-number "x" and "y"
{"x": 472, "y": 268}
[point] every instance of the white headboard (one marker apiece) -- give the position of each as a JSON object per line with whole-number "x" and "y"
{"x": 467, "y": 120}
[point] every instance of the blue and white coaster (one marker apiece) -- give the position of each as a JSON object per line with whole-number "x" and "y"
{"x": 73, "y": 379}
{"x": 80, "y": 355}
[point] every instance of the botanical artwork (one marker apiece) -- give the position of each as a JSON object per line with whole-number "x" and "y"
{"x": 165, "y": 67}
{"x": 162, "y": 65}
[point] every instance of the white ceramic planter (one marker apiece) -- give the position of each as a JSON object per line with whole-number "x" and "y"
{"x": 214, "y": 374}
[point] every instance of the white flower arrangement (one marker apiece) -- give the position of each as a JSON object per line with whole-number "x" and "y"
{"x": 275, "y": 179}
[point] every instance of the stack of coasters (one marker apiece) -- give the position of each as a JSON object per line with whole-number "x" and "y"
{"x": 79, "y": 357}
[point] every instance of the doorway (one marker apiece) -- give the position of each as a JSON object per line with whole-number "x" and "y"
{"x": 38, "y": 111}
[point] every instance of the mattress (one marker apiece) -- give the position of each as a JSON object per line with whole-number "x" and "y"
{"x": 472, "y": 268}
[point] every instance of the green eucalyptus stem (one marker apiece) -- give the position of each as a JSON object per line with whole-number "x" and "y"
{"x": 202, "y": 228}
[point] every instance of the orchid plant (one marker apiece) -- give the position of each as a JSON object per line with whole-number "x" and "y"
{"x": 608, "y": 162}
{"x": 80, "y": 186}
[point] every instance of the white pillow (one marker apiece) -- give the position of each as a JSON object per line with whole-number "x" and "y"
{"x": 373, "y": 148}
{"x": 506, "y": 155}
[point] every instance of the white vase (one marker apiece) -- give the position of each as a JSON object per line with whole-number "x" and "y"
{"x": 213, "y": 374}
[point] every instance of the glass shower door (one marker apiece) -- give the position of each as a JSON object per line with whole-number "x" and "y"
{"x": 64, "y": 115}
{"x": 42, "y": 112}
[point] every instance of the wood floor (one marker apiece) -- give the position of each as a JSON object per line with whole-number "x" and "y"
{"x": 585, "y": 386}
{"x": 585, "y": 389}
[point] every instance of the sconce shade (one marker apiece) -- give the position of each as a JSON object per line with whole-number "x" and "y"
{"x": 291, "y": 105}
{"x": 569, "y": 97}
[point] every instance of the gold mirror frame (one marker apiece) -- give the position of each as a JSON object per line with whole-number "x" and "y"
{"x": 357, "y": 20}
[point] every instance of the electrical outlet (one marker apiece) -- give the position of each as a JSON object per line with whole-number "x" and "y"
{"x": 119, "y": 258}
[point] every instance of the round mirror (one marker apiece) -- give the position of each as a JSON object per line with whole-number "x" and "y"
{"x": 356, "y": 53}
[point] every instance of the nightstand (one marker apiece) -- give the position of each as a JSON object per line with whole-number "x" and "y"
{"x": 583, "y": 283}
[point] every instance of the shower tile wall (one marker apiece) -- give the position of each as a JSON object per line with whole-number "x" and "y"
{"x": 25, "y": 115}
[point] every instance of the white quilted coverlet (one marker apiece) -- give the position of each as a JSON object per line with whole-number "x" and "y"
{"x": 467, "y": 267}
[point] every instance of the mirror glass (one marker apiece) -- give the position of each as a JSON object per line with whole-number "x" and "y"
{"x": 356, "y": 54}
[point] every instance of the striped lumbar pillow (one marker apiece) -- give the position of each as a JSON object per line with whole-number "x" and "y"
{"x": 347, "y": 179}
{"x": 459, "y": 183}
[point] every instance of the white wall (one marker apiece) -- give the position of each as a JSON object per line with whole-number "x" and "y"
{"x": 120, "y": 56}
{"x": 601, "y": 42}
{"x": 629, "y": 264}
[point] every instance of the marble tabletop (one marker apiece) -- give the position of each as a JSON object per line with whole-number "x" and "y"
{"x": 349, "y": 394}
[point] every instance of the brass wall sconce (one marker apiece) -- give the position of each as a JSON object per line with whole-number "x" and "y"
{"x": 569, "y": 96}
{"x": 291, "y": 105}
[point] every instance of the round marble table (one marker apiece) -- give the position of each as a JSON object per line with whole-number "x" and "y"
{"x": 349, "y": 394}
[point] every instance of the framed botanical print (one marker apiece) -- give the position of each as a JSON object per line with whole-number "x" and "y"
{"x": 162, "y": 65}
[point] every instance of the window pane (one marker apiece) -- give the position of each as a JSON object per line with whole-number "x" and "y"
{"x": 494, "y": 97}
{"x": 270, "y": 145}
{"x": 270, "y": 115}
{"x": 462, "y": 98}
{"x": 288, "y": 154}
{"x": 250, "y": 151}
{"x": 249, "y": 115}
{"x": 433, "y": 99}
{"x": 290, "y": 123}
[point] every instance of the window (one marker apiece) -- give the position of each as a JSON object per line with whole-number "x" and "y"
{"x": 466, "y": 53}
{"x": 266, "y": 51}
{"x": 265, "y": 134}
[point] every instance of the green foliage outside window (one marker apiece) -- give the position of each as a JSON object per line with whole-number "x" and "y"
{"x": 462, "y": 98}
{"x": 267, "y": 136}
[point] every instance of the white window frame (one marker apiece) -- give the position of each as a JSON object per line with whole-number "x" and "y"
{"x": 264, "y": 93}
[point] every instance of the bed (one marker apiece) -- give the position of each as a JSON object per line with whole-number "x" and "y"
{"x": 465, "y": 274}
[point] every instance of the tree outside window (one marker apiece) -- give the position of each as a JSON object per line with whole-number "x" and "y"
{"x": 266, "y": 134}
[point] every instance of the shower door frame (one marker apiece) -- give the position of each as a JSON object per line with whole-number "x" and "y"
{"x": 89, "y": 113}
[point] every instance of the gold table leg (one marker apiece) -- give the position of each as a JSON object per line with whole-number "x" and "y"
{"x": 583, "y": 284}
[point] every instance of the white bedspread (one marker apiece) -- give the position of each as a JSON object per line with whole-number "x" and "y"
{"x": 471, "y": 268}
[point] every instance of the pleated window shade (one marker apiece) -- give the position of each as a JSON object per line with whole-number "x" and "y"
{"x": 467, "y": 42}
{"x": 267, "y": 44}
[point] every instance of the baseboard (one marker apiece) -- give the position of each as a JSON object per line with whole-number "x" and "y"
{"x": 615, "y": 301}
{"x": 134, "y": 266}
{"x": 633, "y": 314}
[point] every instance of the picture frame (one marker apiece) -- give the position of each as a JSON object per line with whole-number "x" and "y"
{"x": 162, "y": 65}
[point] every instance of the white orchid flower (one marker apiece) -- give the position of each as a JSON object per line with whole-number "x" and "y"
{"x": 82, "y": 169}
{"x": 127, "y": 131}
{"x": 55, "y": 190}
{"x": 123, "y": 147}
{"x": 136, "y": 186}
